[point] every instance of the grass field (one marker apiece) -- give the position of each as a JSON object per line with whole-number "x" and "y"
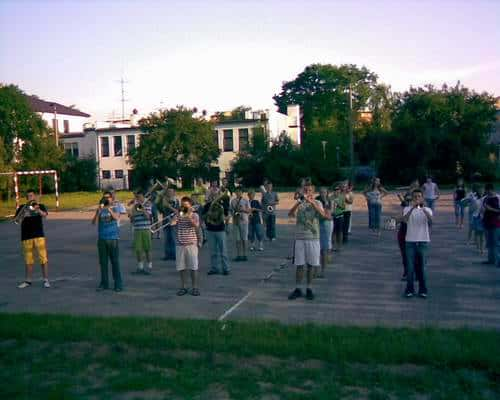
{"x": 55, "y": 357}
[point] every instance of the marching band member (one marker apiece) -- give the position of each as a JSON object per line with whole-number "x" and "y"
{"x": 240, "y": 208}
{"x": 140, "y": 214}
{"x": 270, "y": 200}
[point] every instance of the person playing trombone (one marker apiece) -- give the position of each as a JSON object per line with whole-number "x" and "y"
{"x": 30, "y": 216}
{"x": 169, "y": 207}
{"x": 140, "y": 214}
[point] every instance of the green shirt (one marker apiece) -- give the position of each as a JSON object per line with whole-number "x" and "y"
{"x": 339, "y": 204}
{"x": 307, "y": 226}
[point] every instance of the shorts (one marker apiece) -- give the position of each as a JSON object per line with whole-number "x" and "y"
{"x": 306, "y": 252}
{"x": 477, "y": 224}
{"x": 325, "y": 234}
{"x": 41, "y": 249}
{"x": 240, "y": 231}
{"x": 142, "y": 241}
{"x": 186, "y": 257}
{"x": 459, "y": 209}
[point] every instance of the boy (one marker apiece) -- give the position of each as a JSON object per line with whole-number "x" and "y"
{"x": 140, "y": 215}
{"x": 240, "y": 208}
{"x": 186, "y": 250}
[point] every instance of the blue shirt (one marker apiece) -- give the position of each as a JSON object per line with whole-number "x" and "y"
{"x": 107, "y": 226}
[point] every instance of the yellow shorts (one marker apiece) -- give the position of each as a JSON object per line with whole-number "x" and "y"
{"x": 28, "y": 247}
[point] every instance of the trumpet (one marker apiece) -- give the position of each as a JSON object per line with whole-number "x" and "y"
{"x": 26, "y": 210}
{"x": 163, "y": 223}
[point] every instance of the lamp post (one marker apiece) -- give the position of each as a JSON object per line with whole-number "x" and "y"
{"x": 351, "y": 138}
{"x": 323, "y": 143}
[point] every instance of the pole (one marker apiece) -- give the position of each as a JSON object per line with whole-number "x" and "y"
{"x": 56, "y": 126}
{"x": 351, "y": 138}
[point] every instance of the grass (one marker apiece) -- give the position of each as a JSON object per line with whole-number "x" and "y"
{"x": 55, "y": 356}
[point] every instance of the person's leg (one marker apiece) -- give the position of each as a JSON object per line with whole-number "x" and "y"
{"x": 480, "y": 241}
{"x": 114, "y": 255}
{"x": 402, "y": 247}
{"x": 421, "y": 253}
{"x": 251, "y": 235}
{"x": 103, "y": 263}
{"x": 340, "y": 231}
{"x": 222, "y": 244}
{"x": 41, "y": 249}
{"x": 497, "y": 247}
{"x": 183, "y": 276}
{"x": 260, "y": 236}
{"x": 462, "y": 214}
{"x": 456, "y": 206}
{"x": 410, "y": 262}
{"x": 299, "y": 260}
{"x": 244, "y": 237}
{"x": 347, "y": 222}
{"x": 138, "y": 250}
{"x": 267, "y": 221}
{"x": 370, "y": 216}
{"x": 29, "y": 261}
{"x": 165, "y": 243}
{"x": 273, "y": 226}
{"x": 378, "y": 216}
{"x": 490, "y": 245}
{"x": 214, "y": 252}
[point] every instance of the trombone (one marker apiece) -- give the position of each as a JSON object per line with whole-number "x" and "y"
{"x": 23, "y": 212}
{"x": 162, "y": 223}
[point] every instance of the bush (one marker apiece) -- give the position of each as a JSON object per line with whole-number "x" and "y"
{"x": 79, "y": 175}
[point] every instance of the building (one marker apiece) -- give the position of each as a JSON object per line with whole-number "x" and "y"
{"x": 110, "y": 142}
{"x": 60, "y": 118}
{"x": 234, "y": 133}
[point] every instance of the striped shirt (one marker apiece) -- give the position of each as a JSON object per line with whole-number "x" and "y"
{"x": 186, "y": 231}
{"x": 142, "y": 221}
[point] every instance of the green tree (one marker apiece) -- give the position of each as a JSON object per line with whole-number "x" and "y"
{"x": 175, "y": 144}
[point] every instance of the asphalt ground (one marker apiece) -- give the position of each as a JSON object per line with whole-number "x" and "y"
{"x": 362, "y": 285}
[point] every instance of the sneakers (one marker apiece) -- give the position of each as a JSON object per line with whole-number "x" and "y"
{"x": 252, "y": 248}
{"x": 46, "y": 283}
{"x": 260, "y": 248}
{"x": 408, "y": 294}
{"x": 295, "y": 294}
{"x": 24, "y": 285}
{"x": 423, "y": 295}
{"x": 309, "y": 294}
{"x": 212, "y": 272}
{"x": 100, "y": 288}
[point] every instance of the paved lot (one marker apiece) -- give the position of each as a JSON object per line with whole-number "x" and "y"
{"x": 363, "y": 285}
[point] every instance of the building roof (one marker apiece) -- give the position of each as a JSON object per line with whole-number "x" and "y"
{"x": 42, "y": 106}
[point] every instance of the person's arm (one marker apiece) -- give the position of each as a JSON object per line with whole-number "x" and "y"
{"x": 114, "y": 214}
{"x": 41, "y": 210}
{"x": 293, "y": 211}
{"x": 428, "y": 214}
{"x": 437, "y": 192}
{"x": 195, "y": 221}
{"x": 406, "y": 216}
{"x": 318, "y": 208}
{"x": 383, "y": 193}
{"x": 492, "y": 209}
{"x": 96, "y": 216}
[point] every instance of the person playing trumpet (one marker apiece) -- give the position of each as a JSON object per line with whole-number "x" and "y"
{"x": 255, "y": 232}
{"x": 169, "y": 205}
{"x": 140, "y": 214}
{"x": 30, "y": 216}
{"x": 270, "y": 201}
{"x": 240, "y": 208}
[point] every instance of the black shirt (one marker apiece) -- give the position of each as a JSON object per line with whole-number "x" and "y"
{"x": 255, "y": 215}
{"x": 459, "y": 193}
{"x": 32, "y": 225}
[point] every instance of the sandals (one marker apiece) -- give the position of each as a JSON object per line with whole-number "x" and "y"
{"x": 182, "y": 292}
{"x": 195, "y": 292}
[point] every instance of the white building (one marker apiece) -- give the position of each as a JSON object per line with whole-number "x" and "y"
{"x": 110, "y": 144}
{"x": 57, "y": 116}
{"x": 233, "y": 135}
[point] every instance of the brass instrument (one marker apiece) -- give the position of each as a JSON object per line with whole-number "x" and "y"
{"x": 216, "y": 209}
{"x": 25, "y": 211}
{"x": 162, "y": 223}
{"x": 270, "y": 209}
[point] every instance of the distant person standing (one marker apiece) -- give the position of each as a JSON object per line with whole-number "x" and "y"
{"x": 325, "y": 230}
{"x": 349, "y": 200}
{"x": 458, "y": 197}
{"x": 140, "y": 214}
{"x": 169, "y": 207}
{"x": 31, "y": 216}
{"x": 240, "y": 208}
{"x": 491, "y": 222}
{"x": 431, "y": 193}
{"x": 255, "y": 232}
{"x": 418, "y": 218}
{"x": 374, "y": 195}
{"x": 270, "y": 201}
{"x": 106, "y": 217}
{"x": 338, "y": 208}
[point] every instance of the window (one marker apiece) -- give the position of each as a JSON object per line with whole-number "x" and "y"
{"x": 228, "y": 140}
{"x": 216, "y": 138}
{"x": 106, "y": 174}
{"x": 119, "y": 173}
{"x": 105, "y": 147}
{"x": 130, "y": 143}
{"x": 66, "y": 126}
{"x": 117, "y": 141}
{"x": 243, "y": 136}
{"x": 71, "y": 149}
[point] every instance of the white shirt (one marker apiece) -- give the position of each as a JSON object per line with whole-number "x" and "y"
{"x": 430, "y": 190}
{"x": 418, "y": 225}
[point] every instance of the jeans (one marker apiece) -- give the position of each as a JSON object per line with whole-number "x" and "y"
{"x": 255, "y": 231}
{"x": 416, "y": 254}
{"x": 218, "y": 251}
{"x": 374, "y": 213}
{"x": 493, "y": 245}
{"x": 170, "y": 234}
{"x": 459, "y": 209}
{"x": 347, "y": 224}
{"x": 270, "y": 220}
{"x": 108, "y": 251}
{"x": 430, "y": 203}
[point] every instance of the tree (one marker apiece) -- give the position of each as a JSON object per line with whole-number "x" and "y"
{"x": 321, "y": 91}
{"x": 433, "y": 129}
{"x": 175, "y": 144}
{"x": 79, "y": 174}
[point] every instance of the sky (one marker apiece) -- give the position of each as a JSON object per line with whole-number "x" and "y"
{"x": 217, "y": 55}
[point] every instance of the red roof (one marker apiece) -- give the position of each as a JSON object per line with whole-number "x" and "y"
{"x": 42, "y": 106}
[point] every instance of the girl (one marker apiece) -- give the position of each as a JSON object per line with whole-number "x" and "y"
{"x": 374, "y": 195}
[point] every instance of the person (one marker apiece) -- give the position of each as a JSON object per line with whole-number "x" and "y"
{"x": 491, "y": 222}
{"x": 270, "y": 201}
{"x": 374, "y": 195}
{"x": 117, "y": 205}
{"x": 431, "y": 193}
{"x": 325, "y": 230}
{"x": 153, "y": 195}
{"x": 349, "y": 200}
{"x": 458, "y": 197}
{"x": 31, "y": 215}
{"x": 338, "y": 208}
{"x": 169, "y": 207}
{"x": 255, "y": 232}
{"x": 240, "y": 208}
{"x": 106, "y": 217}
{"x": 477, "y": 222}
{"x": 418, "y": 218}
{"x": 307, "y": 237}
{"x": 212, "y": 192}
{"x": 472, "y": 202}
{"x": 140, "y": 214}
{"x": 187, "y": 246}
{"x": 216, "y": 215}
